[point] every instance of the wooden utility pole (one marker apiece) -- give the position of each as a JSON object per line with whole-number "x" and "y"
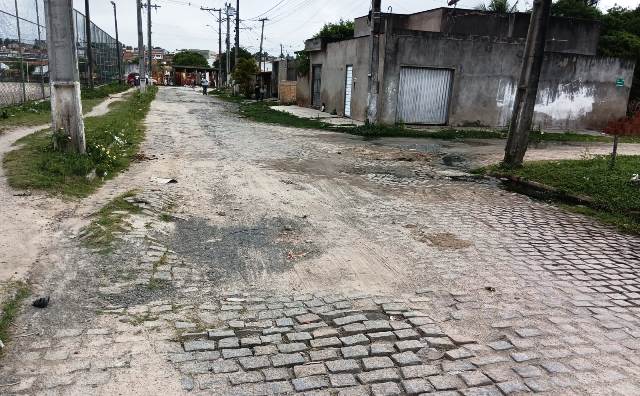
{"x": 141, "y": 67}
{"x": 228, "y": 8}
{"x": 87, "y": 29}
{"x": 67, "y": 123}
{"x": 237, "y": 32}
{"x": 525, "y": 101}
{"x": 149, "y": 45}
{"x": 374, "y": 60}
{"x": 263, "y": 20}
{"x": 118, "y": 49}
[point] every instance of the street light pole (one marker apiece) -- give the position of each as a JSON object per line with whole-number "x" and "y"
{"x": 118, "y": 49}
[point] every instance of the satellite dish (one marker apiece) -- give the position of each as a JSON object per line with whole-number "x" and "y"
{"x": 453, "y": 2}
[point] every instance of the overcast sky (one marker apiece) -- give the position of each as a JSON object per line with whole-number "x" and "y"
{"x": 181, "y": 24}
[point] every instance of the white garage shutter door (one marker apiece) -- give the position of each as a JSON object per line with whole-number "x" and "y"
{"x": 423, "y": 97}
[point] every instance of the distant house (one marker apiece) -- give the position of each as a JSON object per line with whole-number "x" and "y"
{"x": 460, "y": 67}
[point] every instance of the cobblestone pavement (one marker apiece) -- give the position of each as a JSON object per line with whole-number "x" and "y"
{"x": 291, "y": 261}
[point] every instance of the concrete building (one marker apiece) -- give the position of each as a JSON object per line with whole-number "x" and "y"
{"x": 460, "y": 67}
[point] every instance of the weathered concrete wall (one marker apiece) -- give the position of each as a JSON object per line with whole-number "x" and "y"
{"x": 303, "y": 90}
{"x": 287, "y": 92}
{"x": 576, "y": 91}
{"x": 334, "y": 61}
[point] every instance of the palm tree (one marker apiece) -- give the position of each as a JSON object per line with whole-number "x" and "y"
{"x": 499, "y": 6}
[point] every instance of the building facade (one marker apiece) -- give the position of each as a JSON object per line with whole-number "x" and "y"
{"x": 460, "y": 68}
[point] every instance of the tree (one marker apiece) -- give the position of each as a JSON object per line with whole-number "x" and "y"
{"x": 244, "y": 75}
{"x": 499, "y": 6}
{"x": 575, "y": 9}
{"x": 628, "y": 126}
{"x": 189, "y": 58}
{"x": 340, "y": 30}
{"x": 242, "y": 54}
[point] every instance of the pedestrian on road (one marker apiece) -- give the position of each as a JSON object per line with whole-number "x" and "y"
{"x": 205, "y": 85}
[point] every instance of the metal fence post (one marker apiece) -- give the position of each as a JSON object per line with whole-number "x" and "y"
{"x": 24, "y": 88}
{"x": 41, "y": 51}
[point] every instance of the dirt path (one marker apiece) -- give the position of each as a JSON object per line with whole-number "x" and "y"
{"x": 322, "y": 262}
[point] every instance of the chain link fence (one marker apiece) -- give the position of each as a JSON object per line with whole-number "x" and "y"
{"x": 24, "y": 66}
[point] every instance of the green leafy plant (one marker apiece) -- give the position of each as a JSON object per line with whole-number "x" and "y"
{"x": 244, "y": 75}
{"x": 499, "y": 6}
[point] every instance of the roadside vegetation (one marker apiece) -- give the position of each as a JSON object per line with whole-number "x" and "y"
{"x": 39, "y": 112}
{"x": 17, "y": 291}
{"x": 108, "y": 222}
{"x": 112, "y": 142}
{"x": 607, "y": 194}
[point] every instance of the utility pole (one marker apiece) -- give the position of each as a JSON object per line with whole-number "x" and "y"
{"x": 237, "y": 32}
{"x": 219, "y": 11}
{"x": 24, "y": 89}
{"x": 261, "y": 42}
{"x": 41, "y": 51}
{"x": 228, "y": 73}
{"x": 150, "y": 46}
{"x": 118, "y": 49}
{"x": 141, "y": 67}
{"x": 87, "y": 28}
{"x": 66, "y": 107}
{"x": 374, "y": 60}
{"x": 527, "y": 92}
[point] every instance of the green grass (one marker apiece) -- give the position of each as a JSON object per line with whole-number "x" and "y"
{"x": 39, "y": 112}
{"x": 109, "y": 221}
{"x": 615, "y": 199}
{"x": 262, "y": 112}
{"x": 10, "y": 308}
{"x": 112, "y": 141}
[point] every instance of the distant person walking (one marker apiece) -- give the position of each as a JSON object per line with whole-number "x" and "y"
{"x": 205, "y": 85}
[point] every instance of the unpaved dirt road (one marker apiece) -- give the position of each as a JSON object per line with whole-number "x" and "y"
{"x": 288, "y": 261}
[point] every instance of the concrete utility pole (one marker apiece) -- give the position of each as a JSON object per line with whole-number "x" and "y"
{"x": 261, "y": 42}
{"x": 66, "y": 107}
{"x": 219, "y": 11}
{"x": 87, "y": 29}
{"x": 24, "y": 89}
{"x": 142, "y": 72}
{"x": 374, "y": 60}
{"x": 149, "y": 45}
{"x": 237, "y": 32}
{"x": 228, "y": 73}
{"x": 527, "y": 92}
{"x": 118, "y": 49}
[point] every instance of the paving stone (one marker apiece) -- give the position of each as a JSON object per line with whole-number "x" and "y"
{"x": 421, "y": 321}
{"x": 265, "y": 350}
{"x": 445, "y": 382}
{"x": 284, "y": 322}
{"x": 343, "y": 366}
{"x": 460, "y": 353}
{"x": 349, "y": 319}
{"x": 395, "y": 307}
{"x": 378, "y": 349}
{"x": 382, "y": 375}
{"x": 358, "y": 339}
{"x": 308, "y": 318}
{"x": 325, "y": 342}
{"x": 271, "y": 339}
{"x": 460, "y": 339}
{"x": 222, "y": 366}
{"x": 292, "y": 347}
{"x": 482, "y": 391}
{"x": 382, "y": 336}
{"x": 199, "y": 345}
{"x": 457, "y": 365}
{"x": 416, "y": 386}
{"x": 310, "y": 326}
{"x": 423, "y": 370}
{"x": 538, "y": 385}
{"x": 287, "y": 359}
{"x": 520, "y": 357}
{"x": 375, "y": 363}
{"x": 376, "y": 325}
{"x": 528, "y": 371}
{"x": 236, "y": 353}
{"x": 276, "y": 374}
{"x": 324, "y": 354}
{"x": 355, "y": 391}
{"x": 342, "y": 380}
{"x": 406, "y": 359}
{"x": 310, "y": 383}
{"x": 245, "y": 377}
{"x": 407, "y": 334}
{"x": 254, "y": 363}
{"x": 385, "y": 389}
{"x": 217, "y": 334}
{"x": 276, "y": 330}
{"x": 307, "y": 370}
{"x": 439, "y": 343}
{"x": 513, "y": 387}
{"x": 231, "y": 342}
{"x": 236, "y": 324}
{"x": 352, "y": 329}
{"x": 250, "y": 341}
{"x": 528, "y": 332}
{"x": 324, "y": 332}
{"x": 409, "y": 345}
{"x": 488, "y": 359}
{"x": 398, "y": 325}
{"x": 500, "y": 345}
{"x": 357, "y": 351}
{"x": 475, "y": 378}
